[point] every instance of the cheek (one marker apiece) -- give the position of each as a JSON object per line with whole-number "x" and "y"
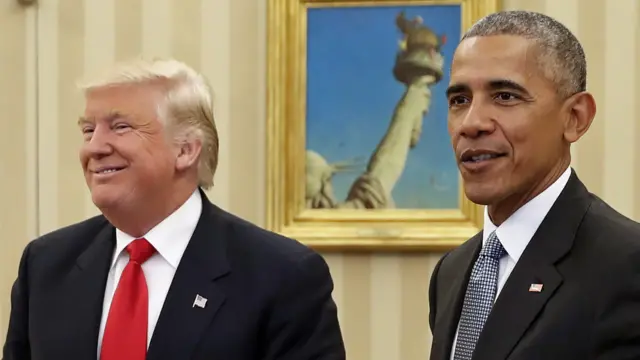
{"x": 517, "y": 126}
{"x": 157, "y": 162}
{"x": 150, "y": 155}
{"x": 148, "y": 173}
{"x": 524, "y": 150}
{"x": 518, "y": 139}
{"x": 451, "y": 129}
{"x": 530, "y": 148}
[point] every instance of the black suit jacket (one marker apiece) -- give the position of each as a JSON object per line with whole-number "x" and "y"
{"x": 587, "y": 256}
{"x": 269, "y": 297}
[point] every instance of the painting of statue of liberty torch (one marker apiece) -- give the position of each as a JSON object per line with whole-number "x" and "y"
{"x": 376, "y": 108}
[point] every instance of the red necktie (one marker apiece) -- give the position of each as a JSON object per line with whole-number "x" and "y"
{"x": 125, "y": 334}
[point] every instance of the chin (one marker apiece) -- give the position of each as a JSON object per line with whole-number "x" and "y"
{"x": 104, "y": 199}
{"x": 482, "y": 194}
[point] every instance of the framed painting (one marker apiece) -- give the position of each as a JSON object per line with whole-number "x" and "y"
{"x": 358, "y": 154}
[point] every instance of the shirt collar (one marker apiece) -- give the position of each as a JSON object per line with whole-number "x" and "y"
{"x": 171, "y": 236}
{"x": 516, "y": 232}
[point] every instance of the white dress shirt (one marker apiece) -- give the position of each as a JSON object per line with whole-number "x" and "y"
{"x": 170, "y": 239}
{"x": 516, "y": 232}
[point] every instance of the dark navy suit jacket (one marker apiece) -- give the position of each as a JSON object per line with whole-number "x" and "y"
{"x": 269, "y": 297}
{"x": 587, "y": 257}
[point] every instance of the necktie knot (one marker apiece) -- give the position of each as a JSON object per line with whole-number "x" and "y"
{"x": 493, "y": 248}
{"x": 140, "y": 250}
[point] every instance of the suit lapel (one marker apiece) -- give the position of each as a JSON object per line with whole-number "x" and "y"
{"x": 516, "y": 307}
{"x": 182, "y": 322}
{"x": 451, "y": 302}
{"x": 86, "y": 284}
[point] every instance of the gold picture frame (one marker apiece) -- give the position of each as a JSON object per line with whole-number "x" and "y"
{"x": 338, "y": 229}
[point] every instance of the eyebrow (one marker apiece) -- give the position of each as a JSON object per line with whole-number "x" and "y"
{"x": 112, "y": 116}
{"x": 83, "y": 120}
{"x": 499, "y": 84}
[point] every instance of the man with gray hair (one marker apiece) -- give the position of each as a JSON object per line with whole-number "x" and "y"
{"x": 164, "y": 274}
{"x": 555, "y": 273}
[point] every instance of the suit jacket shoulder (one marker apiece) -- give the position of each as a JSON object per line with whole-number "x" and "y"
{"x": 608, "y": 230}
{"x": 63, "y": 246}
{"x": 261, "y": 245}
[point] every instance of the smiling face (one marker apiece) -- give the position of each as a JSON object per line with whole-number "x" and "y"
{"x": 126, "y": 155}
{"x": 509, "y": 127}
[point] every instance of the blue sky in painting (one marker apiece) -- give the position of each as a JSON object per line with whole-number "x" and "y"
{"x": 351, "y": 95}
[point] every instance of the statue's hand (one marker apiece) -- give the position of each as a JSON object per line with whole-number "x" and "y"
{"x": 367, "y": 191}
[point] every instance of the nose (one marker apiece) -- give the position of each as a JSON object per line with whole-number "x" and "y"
{"x": 99, "y": 143}
{"x": 476, "y": 122}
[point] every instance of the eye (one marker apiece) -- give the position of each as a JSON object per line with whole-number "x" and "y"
{"x": 506, "y": 97}
{"x": 121, "y": 126}
{"x": 457, "y": 100}
{"x": 87, "y": 133}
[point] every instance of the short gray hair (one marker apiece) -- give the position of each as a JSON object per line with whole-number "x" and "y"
{"x": 562, "y": 58}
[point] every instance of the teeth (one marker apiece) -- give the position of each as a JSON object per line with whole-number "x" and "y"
{"x": 107, "y": 171}
{"x": 482, "y": 157}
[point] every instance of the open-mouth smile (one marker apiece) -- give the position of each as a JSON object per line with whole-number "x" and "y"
{"x": 107, "y": 170}
{"x": 476, "y": 160}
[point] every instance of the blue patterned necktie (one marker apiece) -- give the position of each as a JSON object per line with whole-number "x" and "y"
{"x": 479, "y": 298}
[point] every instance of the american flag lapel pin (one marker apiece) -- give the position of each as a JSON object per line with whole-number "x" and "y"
{"x": 200, "y": 302}
{"x": 535, "y": 288}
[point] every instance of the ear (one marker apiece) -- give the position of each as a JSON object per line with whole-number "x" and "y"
{"x": 581, "y": 109}
{"x": 188, "y": 152}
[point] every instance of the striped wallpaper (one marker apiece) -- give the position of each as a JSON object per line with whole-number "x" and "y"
{"x": 382, "y": 298}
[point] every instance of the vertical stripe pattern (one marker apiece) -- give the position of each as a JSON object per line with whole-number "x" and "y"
{"x": 621, "y": 94}
{"x": 382, "y": 298}
{"x": 18, "y": 144}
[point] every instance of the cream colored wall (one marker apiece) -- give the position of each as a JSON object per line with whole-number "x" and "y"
{"x": 382, "y": 298}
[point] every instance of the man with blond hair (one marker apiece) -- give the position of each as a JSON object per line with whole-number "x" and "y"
{"x": 163, "y": 273}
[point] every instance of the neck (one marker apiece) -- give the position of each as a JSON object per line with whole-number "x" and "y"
{"x": 139, "y": 219}
{"x": 501, "y": 211}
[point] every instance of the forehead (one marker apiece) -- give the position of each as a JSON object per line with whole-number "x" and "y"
{"x": 139, "y": 100}
{"x": 479, "y": 60}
